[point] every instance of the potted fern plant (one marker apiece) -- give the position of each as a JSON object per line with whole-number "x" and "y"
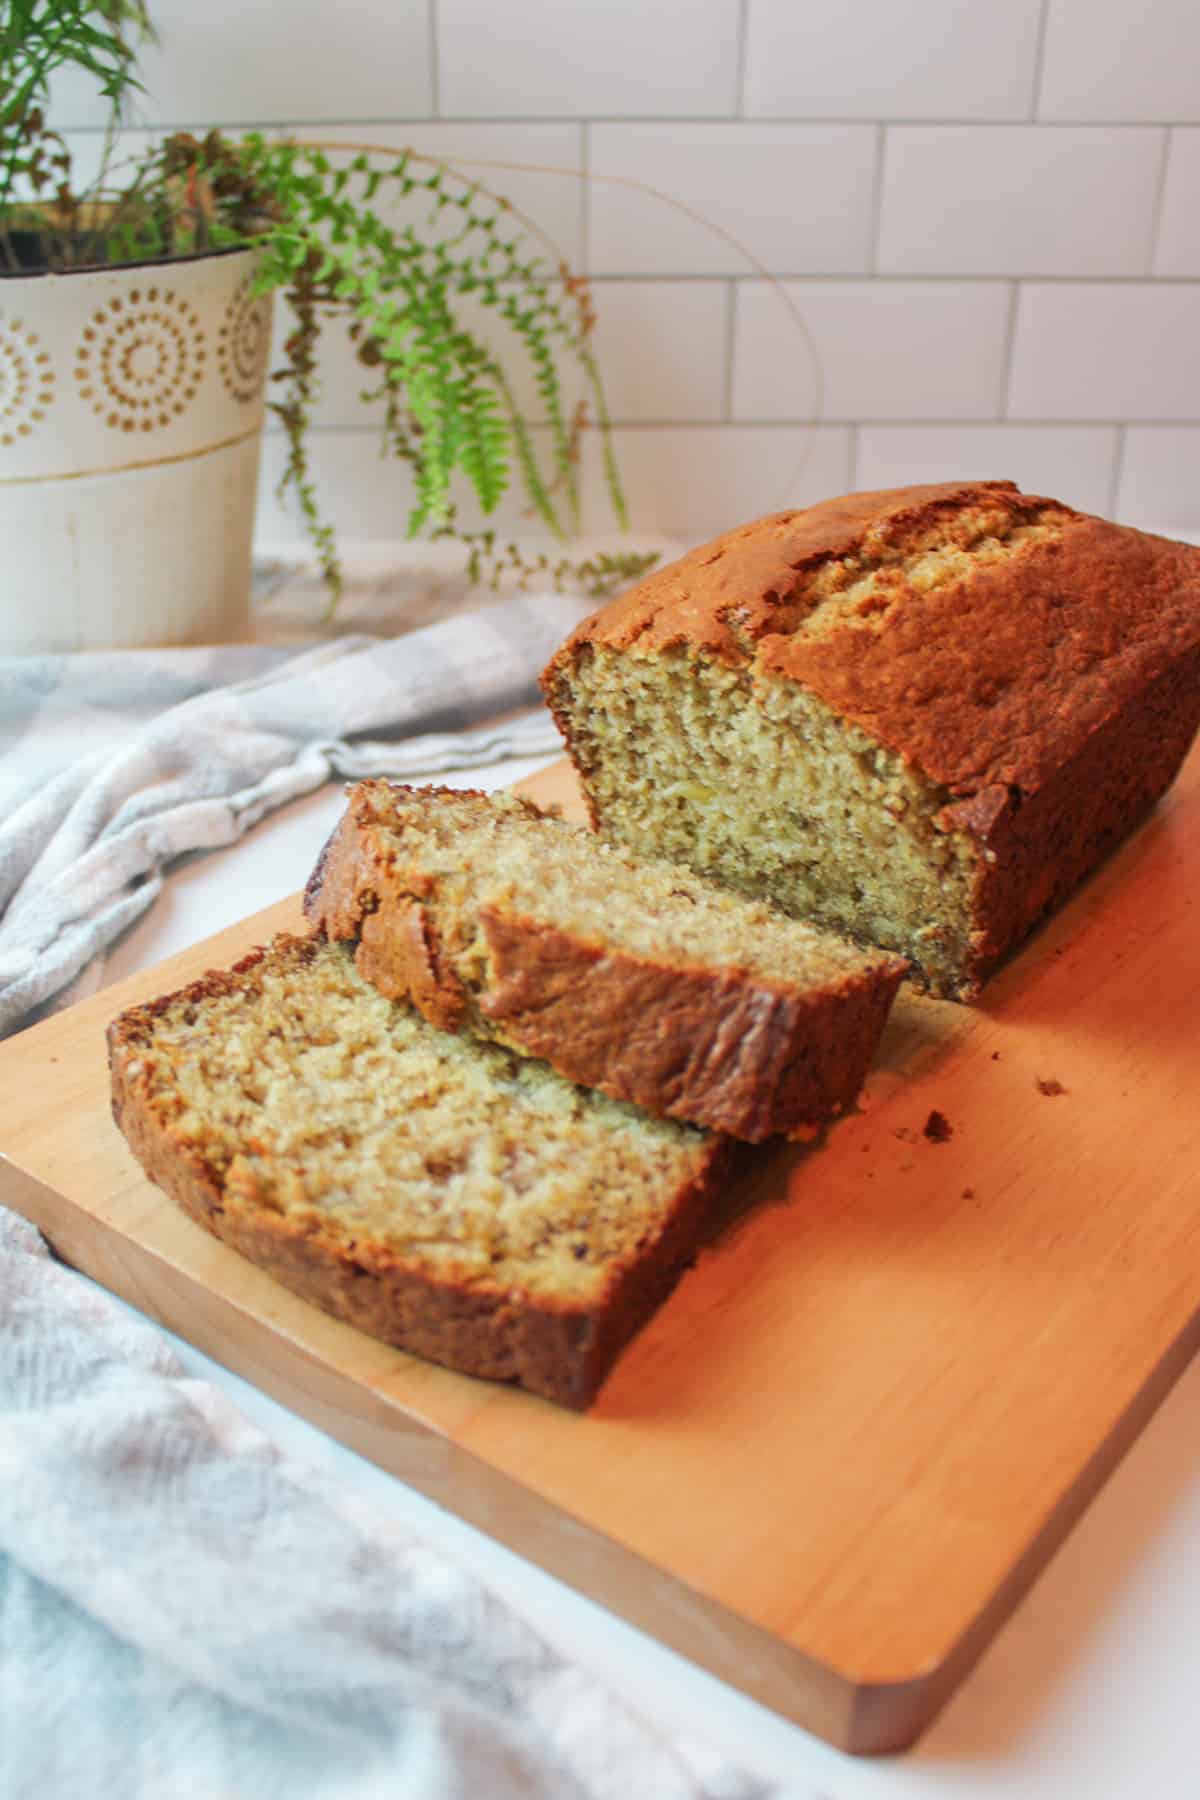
{"x": 135, "y": 328}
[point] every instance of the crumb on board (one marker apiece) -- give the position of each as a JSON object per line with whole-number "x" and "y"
{"x": 968, "y": 1193}
{"x": 995, "y": 1056}
{"x": 1049, "y": 1086}
{"x": 938, "y": 1128}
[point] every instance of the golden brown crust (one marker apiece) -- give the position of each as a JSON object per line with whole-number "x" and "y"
{"x": 998, "y": 689}
{"x": 358, "y": 890}
{"x": 1038, "y": 848}
{"x": 1006, "y": 687}
{"x": 397, "y": 953}
{"x": 1050, "y": 695}
{"x": 562, "y": 1351}
{"x": 736, "y": 590}
{"x": 718, "y": 1047}
{"x": 750, "y": 572}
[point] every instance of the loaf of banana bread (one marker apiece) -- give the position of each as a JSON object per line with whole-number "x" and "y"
{"x": 625, "y": 974}
{"x": 436, "y": 1191}
{"x": 918, "y": 716}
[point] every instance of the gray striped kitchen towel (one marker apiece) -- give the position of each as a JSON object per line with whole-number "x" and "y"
{"x": 113, "y": 764}
{"x": 188, "y": 1613}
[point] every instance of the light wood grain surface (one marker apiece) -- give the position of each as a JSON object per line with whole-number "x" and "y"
{"x": 832, "y": 1463}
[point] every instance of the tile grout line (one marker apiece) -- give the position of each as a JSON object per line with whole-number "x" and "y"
{"x": 1118, "y": 470}
{"x": 585, "y": 197}
{"x": 1159, "y": 202}
{"x": 730, "y": 343}
{"x": 1039, "y": 62}
{"x": 158, "y": 127}
{"x": 875, "y": 226}
{"x": 1006, "y": 361}
{"x": 799, "y": 121}
{"x": 743, "y": 31}
{"x": 903, "y": 278}
{"x": 837, "y": 422}
{"x": 435, "y": 62}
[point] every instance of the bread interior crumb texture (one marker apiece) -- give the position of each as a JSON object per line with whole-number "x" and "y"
{"x": 305, "y": 1091}
{"x": 492, "y": 852}
{"x": 782, "y": 796}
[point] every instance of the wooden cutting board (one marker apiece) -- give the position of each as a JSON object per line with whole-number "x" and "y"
{"x": 831, "y": 1465}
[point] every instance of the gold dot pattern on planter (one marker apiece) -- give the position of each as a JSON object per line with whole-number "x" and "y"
{"x": 26, "y": 381}
{"x": 140, "y": 360}
{"x": 243, "y": 342}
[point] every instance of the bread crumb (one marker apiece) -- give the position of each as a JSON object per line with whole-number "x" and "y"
{"x": 804, "y": 1134}
{"x": 938, "y": 1128}
{"x": 1048, "y": 1086}
{"x": 968, "y": 1193}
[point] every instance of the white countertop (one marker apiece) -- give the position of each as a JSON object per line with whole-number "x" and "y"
{"x": 1088, "y": 1692}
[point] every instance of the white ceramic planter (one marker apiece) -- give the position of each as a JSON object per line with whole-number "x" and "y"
{"x": 131, "y": 408}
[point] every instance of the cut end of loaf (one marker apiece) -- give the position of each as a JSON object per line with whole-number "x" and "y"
{"x": 442, "y": 1194}
{"x": 919, "y": 717}
{"x": 626, "y": 973}
{"x": 758, "y": 785}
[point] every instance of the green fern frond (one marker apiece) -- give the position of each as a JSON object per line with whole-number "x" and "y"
{"x": 445, "y": 397}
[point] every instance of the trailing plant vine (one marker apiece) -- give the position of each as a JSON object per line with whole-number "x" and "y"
{"x": 431, "y": 272}
{"x": 39, "y": 39}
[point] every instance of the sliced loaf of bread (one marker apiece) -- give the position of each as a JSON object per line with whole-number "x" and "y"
{"x": 630, "y": 976}
{"x": 436, "y": 1191}
{"x": 920, "y": 716}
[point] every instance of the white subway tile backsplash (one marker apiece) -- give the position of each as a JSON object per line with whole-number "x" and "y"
{"x": 692, "y": 482}
{"x": 604, "y": 57}
{"x": 367, "y": 497}
{"x": 1018, "y": 200}
{"x": 1101, "y": 351}
{"x": 1160, "y": 476}
{"x": 342, "y": 380}
{"x": 1178, "y": 249}
{"x": 293, "y": 59}
{"x": 880, "y": 59}
{"x": 684, "y": 482}
{"x": 662, "y": 347}
{"x": 798, "y": 197}
{"x": 887, "y": 349}
{"x": 1121, "y": 61}
{"x": 1073, "y": 463}
{"x": 986, "y": 216}
{"x": 76, "y": 102}
{"x": 87, "y": 156}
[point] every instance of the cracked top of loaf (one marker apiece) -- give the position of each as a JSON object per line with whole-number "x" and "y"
{"x": 981, "y": 633}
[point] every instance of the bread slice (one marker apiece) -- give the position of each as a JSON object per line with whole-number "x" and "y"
{"x": 919, "y": 716}
{"x": 627, "y": 975}
{"x": 437, "y": 1192}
